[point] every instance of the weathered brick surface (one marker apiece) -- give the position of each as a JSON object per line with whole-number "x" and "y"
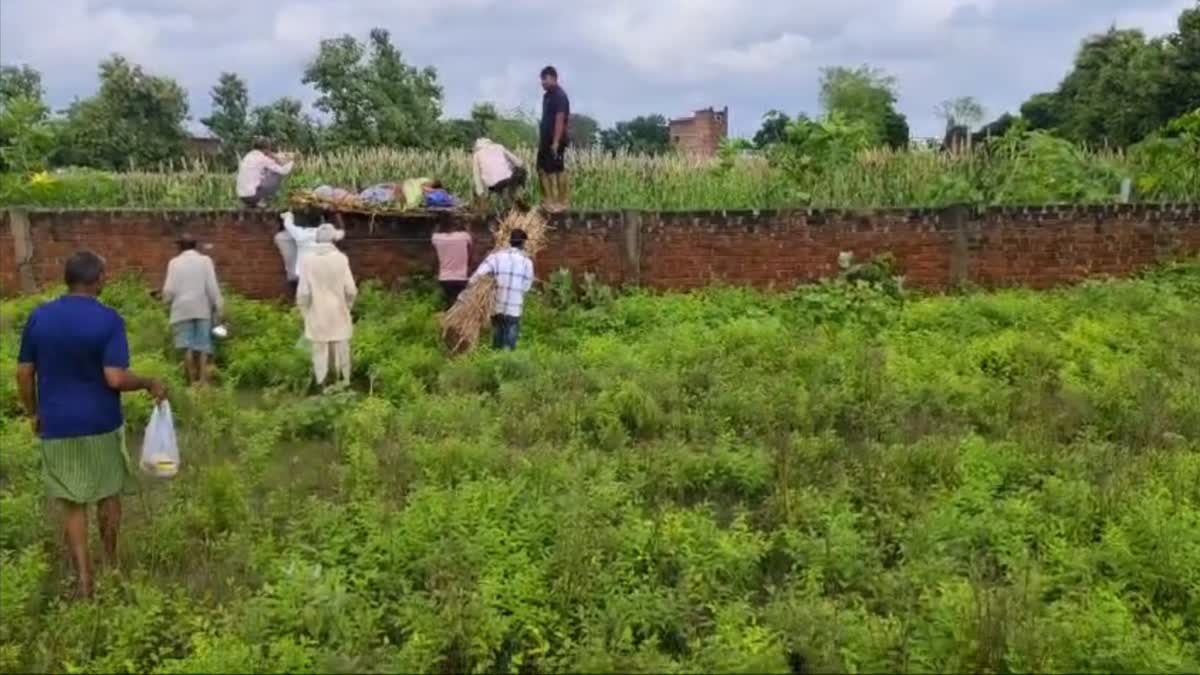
{"x": 1037, "y": 247}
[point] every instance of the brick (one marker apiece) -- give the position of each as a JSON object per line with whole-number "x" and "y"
{"x": 1039, "y": 247}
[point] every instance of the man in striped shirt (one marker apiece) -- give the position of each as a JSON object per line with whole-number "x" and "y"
{"x": 513, "y": 272}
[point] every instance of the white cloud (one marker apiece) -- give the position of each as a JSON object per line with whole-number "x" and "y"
{"x": 760, "y": 57}
{"x": 511, "y": 88}
{"x": 298, "y": 27}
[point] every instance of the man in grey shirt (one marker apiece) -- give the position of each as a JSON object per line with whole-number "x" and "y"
{"x": 195, "y": 298}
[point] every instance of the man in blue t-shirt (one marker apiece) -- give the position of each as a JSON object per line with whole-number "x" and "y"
{"x": 72, "y": 368}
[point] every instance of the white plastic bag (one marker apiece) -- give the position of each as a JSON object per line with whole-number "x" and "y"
{"x": 160, "y": 452}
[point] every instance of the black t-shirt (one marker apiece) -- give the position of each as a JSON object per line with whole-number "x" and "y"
{"x": 554, "y": 102}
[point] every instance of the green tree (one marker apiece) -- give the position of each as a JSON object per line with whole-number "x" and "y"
{"x": 811, "y": 148}
{"x": 963, "y": 111}
{"x": 513, "y": 130}
{"x": 583, "y": 130}
{"x": 373, "y": 95}
{"x": 135, "y": 119}
{"x": 994, "y": 129}
{"x": 645, "y": 134}
{"x": 773, "y": 129}
{"x": 516, "y": 130}
{"x": 866, "y": 95}
{"x": 20, "y": 82}
{"x": 1042, "y": 111}
{"x": 1182, "y": 91}
{"x": 1113, "y": 94}
{"x": 27, "y": 136}
{"x": 229, "y": 120}
{"x": 286, "y": 124}
{"x": 895, "y": 129}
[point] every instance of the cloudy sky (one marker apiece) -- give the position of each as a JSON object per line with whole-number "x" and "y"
{"x": 618, "y": 58}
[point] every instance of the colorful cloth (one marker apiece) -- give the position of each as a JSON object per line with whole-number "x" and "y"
{"x": 193, "y": 335}
{"x": 384, "y": 193}
{"x": 439, "y": 199}
{"x": 329, "y": 193}
{"x": 86, "y": 469}
{"x": 69, "y": 342}
{"x": 414, "y": 192}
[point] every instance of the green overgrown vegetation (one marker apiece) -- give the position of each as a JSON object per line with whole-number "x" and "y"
{"x": 840, "y": 478}
{"x": 827, "y": 163}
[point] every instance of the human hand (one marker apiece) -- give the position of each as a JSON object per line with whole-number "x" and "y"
{"x": 554, "y": 149}
{"x": 158, "y": 390}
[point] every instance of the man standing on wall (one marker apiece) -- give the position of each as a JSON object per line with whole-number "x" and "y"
{"x": 195, "y": 298}
{"x": 552, "y": 145}
{"x": 73, "y": 366}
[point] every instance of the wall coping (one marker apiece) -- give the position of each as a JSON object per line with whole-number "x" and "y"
{"x": 948, "y": 218}
{"x": 432, "y": 214}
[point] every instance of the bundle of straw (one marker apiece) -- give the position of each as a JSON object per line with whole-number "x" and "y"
{"x": 463, "y": 323}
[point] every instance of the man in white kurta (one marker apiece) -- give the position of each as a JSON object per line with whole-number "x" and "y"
{"x": 325, "y": 295}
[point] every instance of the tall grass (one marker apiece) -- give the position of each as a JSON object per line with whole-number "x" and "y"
{"x": 599, "y": 181}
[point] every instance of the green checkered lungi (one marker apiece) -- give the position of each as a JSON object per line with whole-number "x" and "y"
{"x": 86, "y": 469}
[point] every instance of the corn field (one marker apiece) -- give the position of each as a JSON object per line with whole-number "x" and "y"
{"x": 599, "y": 181}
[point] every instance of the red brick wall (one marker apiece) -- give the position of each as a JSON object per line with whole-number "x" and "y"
{"x": 1037, "y": 247}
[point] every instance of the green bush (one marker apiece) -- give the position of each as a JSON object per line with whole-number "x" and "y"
{"x": 843, "y": 477}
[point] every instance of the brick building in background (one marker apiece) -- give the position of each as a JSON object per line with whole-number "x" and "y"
{"x": 702, "y": 133}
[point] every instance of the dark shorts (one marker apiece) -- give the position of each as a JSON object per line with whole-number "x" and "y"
{"x": 515, "y": 181}
{"x": 551, "y": 162}
{"x": 451, "y": 290}
{"x": 267, "y": 190}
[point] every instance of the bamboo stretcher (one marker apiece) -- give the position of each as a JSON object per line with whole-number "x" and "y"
{"x": 352, "y": 204}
